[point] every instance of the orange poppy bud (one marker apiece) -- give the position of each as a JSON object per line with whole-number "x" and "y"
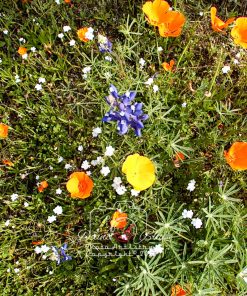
{"x": 168, "y": 66}
{"x": 67, "y": 1}
{"x": 236, "y": 156}
{"x": 172, "y": 25}
{"x": 156, "y": 11}
{"x": 79, "y": 185}
{"x": 38, "y": 243}
{"x": 119, "y": 220}
{"x": 217, "y": 24}
{"x": 239, "y": 32}
{"x": 42, "y": 186}
{"x": 177, "y": 291}
{"x": 22, "y": 50}
{"x": 7, "y": 162}
{"x": 179, "y": 156}
{"x": 3, "y": 130}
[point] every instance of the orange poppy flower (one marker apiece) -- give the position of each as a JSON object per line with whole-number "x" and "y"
{"x": 81, "y": 34}
{"x": 22, "y": 50}
{"x": 155, "y": 11}
{"x": 239, "y": 32}
{"x": 67, "y": 1}
{"x": 236, "y": 156}
{"x": 42, "y": 186}
{"x": 177, "y": 291}
{"x": 119, "y": 220}
{"x": 79, "y": 185}
{"x": 172, "y": 25}
{"x": 7, "y": 162}
{"x": 217, "y": 24}
{"x": 168, "y": 66}
{"x": 3, "y": 130}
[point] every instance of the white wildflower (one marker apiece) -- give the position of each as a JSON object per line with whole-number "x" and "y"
{"x": 109, "y": 151}
{"x": 105, "y": 171}
{"x": 96, "y": 132}
{"x": 66, "y": 28}
{"x": 38, "y": 87}
{"x": 191, "y": 185}
{"x": 72, "y": 42}
{"x": 153, "y": 251}
{"x": 149, "y": 81}
{"x": 187, "y": 214}
{"x": 14, "y": 196}
{"x": 51, "y": 219}
{"x": 196, "y": 222}
{"x": 155, "y": 88}
{"x": 58, "y": 191}
{"x": 42, "y": 80}
{"x": 226, "y": 69}
{"x": 58, "y": 210}
{"x": 134, "y": 192}
{"x": 85, "y": 165}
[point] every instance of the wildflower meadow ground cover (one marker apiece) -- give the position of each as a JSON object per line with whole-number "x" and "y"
{"x": 123, "y": 133}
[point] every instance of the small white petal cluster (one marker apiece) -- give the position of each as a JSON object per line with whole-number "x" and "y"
{"x": 155, "y": 88}
{"x": 97, "y": 161}
{"x": 187, "y": 214}
{"x": 86, "y": 70}
{"x": 33, "y": 49}
{"x": 24, "y": 56}
{"x": 196, "y": 222}
{"x": 42, "y": 80}
{"x": 243, "y": 274}
{"x": 60, "y": 159}
{"x": 134, "y": 192}
{"x": 51, "y": 219}
{"x": 22, "y": 40}
{"x": 58, "y": 210}
{"x": 72, "y": 42}
{"x": 96, "y": 132}
{"x": 105, "y": 171}
{"x": 80, "y": 148}
{"x": 149, "y": 82}
{"x": 60, "y": 35}
{"x": 59, "y": 191}
{"x": 225, "y": 69}
{"x": 117, "y": 185}
{"x": 153, "y": 251}
{"x": 14, "y": 196}
{"x": 109, "y": 151}
{"x": 160, "y": 49}
{"x": 17, "y": 79}
{"x": 191, "y": 186}
{"x": 142, "y": 62}
{"x": 38, "y": 87}
{"x": 89, "y": 34}
{"x": 42, "y": 249}
{"x": 68, "y": 166}
{"x": 66, "y": 28}
{"x": 108, "y": 58}
{"x": 85, "y": 165}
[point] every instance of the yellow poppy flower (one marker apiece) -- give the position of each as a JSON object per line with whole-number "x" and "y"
{"x": 140, "y": 171}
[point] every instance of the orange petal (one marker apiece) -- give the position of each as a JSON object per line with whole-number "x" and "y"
{"x": 236, "y": 156}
